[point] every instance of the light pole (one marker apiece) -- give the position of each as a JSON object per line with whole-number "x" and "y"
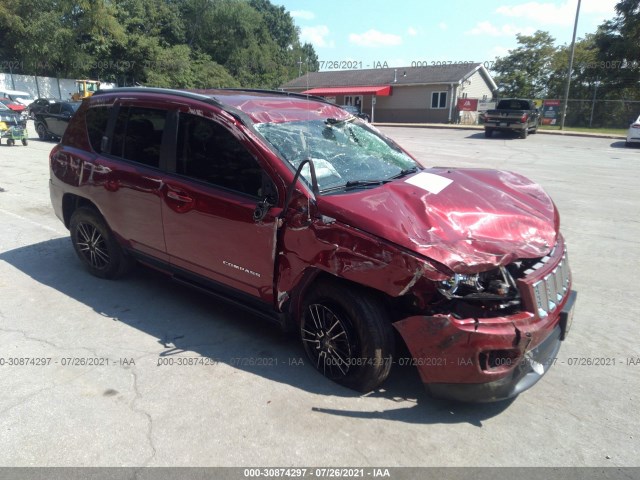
{"x": 573, "y": 48}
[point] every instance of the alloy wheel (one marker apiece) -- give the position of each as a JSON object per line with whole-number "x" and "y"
{"x": 326, "y": 340}
{"x": 92, "y": 246}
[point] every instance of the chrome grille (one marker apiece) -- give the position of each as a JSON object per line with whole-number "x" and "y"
{"x": 550, "y": 290}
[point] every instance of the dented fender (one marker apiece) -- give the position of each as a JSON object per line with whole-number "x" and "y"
{"x": 346, "y": 252}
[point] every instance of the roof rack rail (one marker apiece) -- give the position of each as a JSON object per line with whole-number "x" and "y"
{"x": 278, "y": 92}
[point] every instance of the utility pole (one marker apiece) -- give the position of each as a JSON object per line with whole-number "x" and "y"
{"x": 573, "y": 48}
{"x": 593, "y": 104}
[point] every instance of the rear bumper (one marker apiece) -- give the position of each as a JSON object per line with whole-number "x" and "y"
{"x": 55, "y": 194}
{"x": 509, "y": 127}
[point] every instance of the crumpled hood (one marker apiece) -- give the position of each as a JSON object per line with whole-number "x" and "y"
{"x": 467, "y": 219}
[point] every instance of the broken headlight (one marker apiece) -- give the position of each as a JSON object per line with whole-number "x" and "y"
{"x": 497, "y": 284}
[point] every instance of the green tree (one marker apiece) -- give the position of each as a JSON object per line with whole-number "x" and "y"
{"x": 618, "y": 42}
{"x": 584, "y": 75}
{"x": 525, "y": 71}
{"x": 179, "y": 43}
{"x": 180, "y": 67}
{"x": 297, "y": 58}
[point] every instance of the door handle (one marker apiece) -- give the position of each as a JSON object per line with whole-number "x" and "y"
{"x": 178, "y": 197}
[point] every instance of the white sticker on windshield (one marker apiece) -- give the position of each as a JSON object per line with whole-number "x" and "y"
{"x": 429, "y": 182}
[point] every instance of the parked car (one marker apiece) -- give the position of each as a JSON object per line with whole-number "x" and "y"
{"x": 12, "y": 105}
{"x": 633, "y": 134}
{"x": 18, "y": 96}
{"x": 39, "y": 105}
{"x": 355, "y": 111}
{"x": 515, "y": 115}
{"x": 307, "y": 216}
{"x": 53, "y": 120}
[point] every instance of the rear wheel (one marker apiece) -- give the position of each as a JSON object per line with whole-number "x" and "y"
{"x": 347, "y": 335}
{"x": 96, "y": 246}
{"x": 25, "y": 142}
{"x": 488, "y": 132}
{"x": 11, "y": 142}
{"x": 41, "y": 131}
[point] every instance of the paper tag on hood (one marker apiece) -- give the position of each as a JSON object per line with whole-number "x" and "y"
{"x": 430, "y": 182}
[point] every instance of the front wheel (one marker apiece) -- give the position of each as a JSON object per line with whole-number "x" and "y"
{"x": 347, "y": 335}
{"x": 96, "y": 246}
{"x": 524, "y": 133}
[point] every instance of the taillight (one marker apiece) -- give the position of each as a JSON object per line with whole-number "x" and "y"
{"x": 524, "y": 117}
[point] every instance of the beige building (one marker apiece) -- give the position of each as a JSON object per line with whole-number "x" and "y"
{"x": 411, "y": 94}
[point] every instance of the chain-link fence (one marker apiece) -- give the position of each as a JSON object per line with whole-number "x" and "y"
{"x": 601, "y": 113}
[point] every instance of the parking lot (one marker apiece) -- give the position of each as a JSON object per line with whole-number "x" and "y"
{"x": 121, "y": 379}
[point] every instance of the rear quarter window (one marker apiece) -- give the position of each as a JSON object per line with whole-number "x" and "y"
{"x": 97, "y": 119}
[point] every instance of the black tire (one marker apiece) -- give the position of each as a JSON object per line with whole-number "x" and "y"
{"x": 524, "y": 133}
{"x": 11, "y": 142}
{"x": 488, "y": 132}
{"x": 25, "y": 142}
{"x": 42, "y": 132}
{"x": 347, "y": 335}
{"x": 96, "y": 246}
{"x": 535, "y": 128}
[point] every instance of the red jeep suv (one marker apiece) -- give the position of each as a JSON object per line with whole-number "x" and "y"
{"x": 295, "y": 209}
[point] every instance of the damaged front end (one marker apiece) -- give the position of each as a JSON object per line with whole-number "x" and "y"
{"x": 470, "y": 262}
{"x": 493, "y": 334}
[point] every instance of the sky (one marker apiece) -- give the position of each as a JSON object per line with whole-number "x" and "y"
{"x": 401, "y": 33}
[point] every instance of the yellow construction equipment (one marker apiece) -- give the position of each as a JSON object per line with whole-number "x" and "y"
{"x": 85, "y": 88}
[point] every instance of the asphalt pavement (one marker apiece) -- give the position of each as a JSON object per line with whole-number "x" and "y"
{"x": 144, "y": 372}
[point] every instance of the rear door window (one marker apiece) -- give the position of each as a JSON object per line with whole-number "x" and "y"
{"x": 138, "y": 135}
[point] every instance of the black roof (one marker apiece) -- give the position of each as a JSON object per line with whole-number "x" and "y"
{"x": 385, "y": 76}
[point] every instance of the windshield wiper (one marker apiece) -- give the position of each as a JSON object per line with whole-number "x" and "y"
{"x": 351, "y": 184}
{"x": 369, "y": 183}
{"x": 404, "y": 173}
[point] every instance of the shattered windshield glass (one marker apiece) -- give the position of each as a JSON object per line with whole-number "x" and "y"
{"x": 344, "y": 153}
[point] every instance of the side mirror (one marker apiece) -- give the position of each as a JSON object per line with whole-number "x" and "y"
{"x": 314, "y": 184}
{"x": 262, "y": 208}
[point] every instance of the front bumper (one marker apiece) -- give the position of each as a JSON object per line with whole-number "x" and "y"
{"x": 491, "y": 359}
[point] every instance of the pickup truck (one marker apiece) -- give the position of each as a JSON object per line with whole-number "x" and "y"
{"x": 512, "y": 115}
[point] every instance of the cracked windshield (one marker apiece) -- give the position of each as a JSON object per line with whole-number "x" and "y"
{"x": 345, "y": 153}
